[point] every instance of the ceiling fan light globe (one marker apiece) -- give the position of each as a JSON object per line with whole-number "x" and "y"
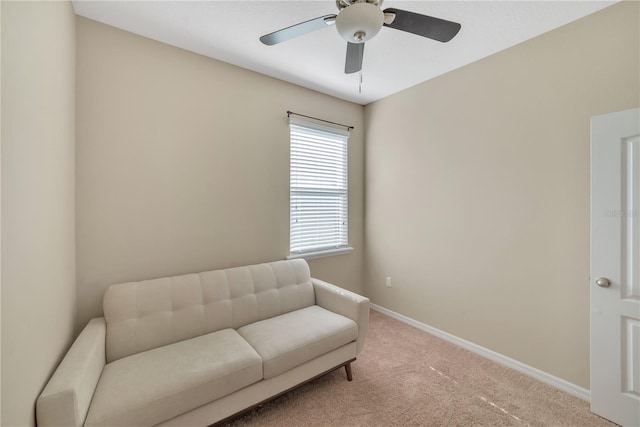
{"x": 357, "y": 19}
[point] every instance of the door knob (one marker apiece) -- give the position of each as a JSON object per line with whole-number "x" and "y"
{"x": 603, "y": 282}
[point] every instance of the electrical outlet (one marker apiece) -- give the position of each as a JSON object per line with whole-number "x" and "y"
{"x": 388, "y": 282}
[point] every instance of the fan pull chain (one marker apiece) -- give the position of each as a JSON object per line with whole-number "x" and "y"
{"x": 360, "y": 83}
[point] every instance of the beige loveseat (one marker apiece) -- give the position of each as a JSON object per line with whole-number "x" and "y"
{"x": 196, "y": 349}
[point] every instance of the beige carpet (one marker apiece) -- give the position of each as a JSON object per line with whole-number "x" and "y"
{"x": 406, "y": 377}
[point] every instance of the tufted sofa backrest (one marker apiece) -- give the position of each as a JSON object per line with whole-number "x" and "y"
{"x": 152, "y": 313}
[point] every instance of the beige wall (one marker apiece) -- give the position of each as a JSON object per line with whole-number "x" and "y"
{"x": 477, "y": 195}
{"x": 182, "y": 165}
{"x": 0, "y": 215}
{"x": 38, "y": 254}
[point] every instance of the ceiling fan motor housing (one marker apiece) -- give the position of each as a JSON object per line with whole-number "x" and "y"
{"x": 341, "y": 4}
{"x": 359, "y": 22}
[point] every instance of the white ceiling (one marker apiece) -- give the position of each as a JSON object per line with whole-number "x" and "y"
{"x": 394, "y": 60}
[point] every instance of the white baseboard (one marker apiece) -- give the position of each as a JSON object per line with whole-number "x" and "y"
{"x": 535, "y": 373}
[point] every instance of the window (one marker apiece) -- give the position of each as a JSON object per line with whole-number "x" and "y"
{"x": 318, "y": 190}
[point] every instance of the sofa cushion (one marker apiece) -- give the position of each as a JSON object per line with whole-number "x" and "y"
{"x": 291, "y": 339}
{"x": 144, "y": 315}
{"x": 156, "y": 385}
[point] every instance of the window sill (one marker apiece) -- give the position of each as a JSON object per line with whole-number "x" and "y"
{"x": 321, "y": 254}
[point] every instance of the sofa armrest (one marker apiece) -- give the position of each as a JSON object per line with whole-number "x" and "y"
{"x": 346, "y": 303}
{"x": 66, "y": 398}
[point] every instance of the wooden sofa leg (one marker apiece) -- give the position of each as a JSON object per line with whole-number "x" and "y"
{"x": 347, "y": 368}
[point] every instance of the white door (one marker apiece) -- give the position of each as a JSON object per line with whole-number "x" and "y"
{"x": 615, "y": 267}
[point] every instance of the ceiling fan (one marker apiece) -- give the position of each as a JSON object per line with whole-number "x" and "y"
{"x": 358, "y": 21}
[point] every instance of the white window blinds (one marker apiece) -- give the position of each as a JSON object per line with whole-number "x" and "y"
{"x": 318, "y": 188}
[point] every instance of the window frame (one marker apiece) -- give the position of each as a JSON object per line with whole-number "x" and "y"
{"x": 342, "y": 246}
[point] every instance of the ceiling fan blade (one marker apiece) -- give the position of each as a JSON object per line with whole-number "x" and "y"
{"x": 422, "y": 25}
{"x": 355, "y": 54}
{"x": 298, "y": 30}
